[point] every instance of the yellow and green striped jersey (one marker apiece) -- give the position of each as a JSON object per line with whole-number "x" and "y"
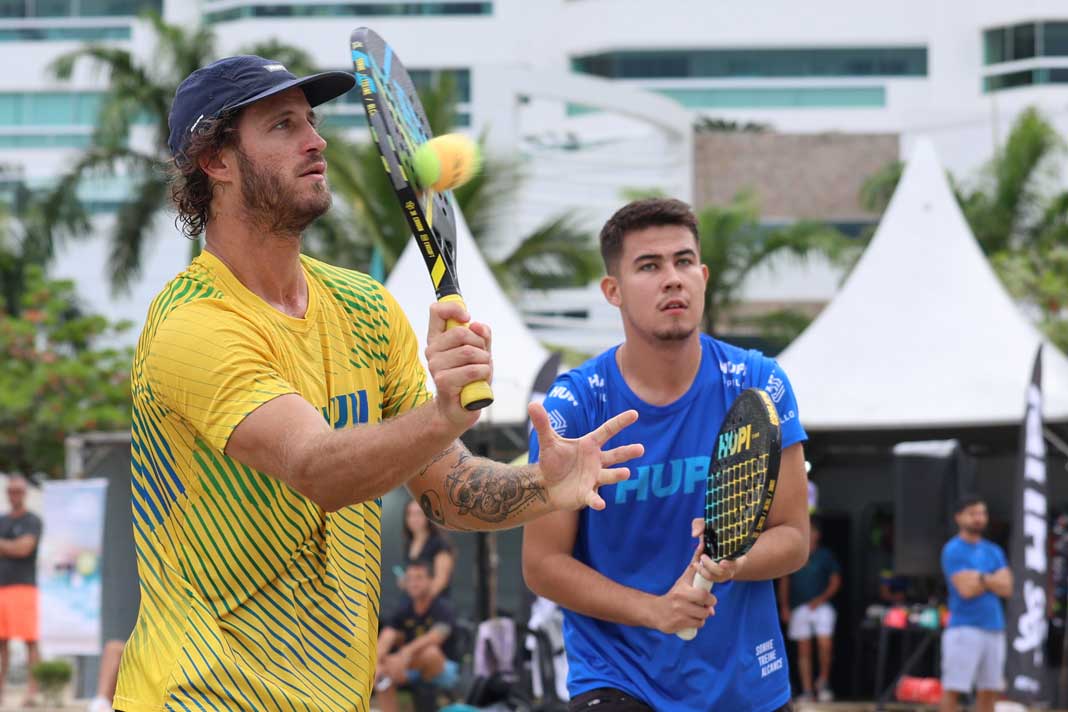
{"x": 252, "y": 597}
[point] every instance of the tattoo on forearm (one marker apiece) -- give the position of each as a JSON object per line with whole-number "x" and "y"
{"x": 430, "y": 502}
{"x": 439, "y": 457}
{"x": 490, "y": 492}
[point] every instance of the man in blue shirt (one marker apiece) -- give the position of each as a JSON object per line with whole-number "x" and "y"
{"x": 624, "y": 574}
{"x": 805, "y": 605}
{"x": 973, "y": 644}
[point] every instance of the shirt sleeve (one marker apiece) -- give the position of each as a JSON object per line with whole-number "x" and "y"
{"x": 772, "y": 378}
{"x": 405, "y": 377}
{"x": 36, "y": 526}
{"x": 442, "y": 612}
{"x": 954, "y": 559}
{"x": 396, "y": 619}
{"x": 213, "y": 367}
{"x": 434, "y": 546}
{"x": 1002, "y": 560}
{"x": 566, "y": 415}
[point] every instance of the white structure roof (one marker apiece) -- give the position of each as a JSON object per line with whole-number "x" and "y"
{"x": 922, "y": 334}
{"x": 517, "y": 355}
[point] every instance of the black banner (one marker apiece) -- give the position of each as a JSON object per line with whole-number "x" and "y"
{"x": 1025, "y": 667}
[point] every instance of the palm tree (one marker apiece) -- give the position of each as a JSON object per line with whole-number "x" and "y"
{"x": 140, "y": 91}
{"x": 557, "y": 253}
{"x": 1018, "y": 217}
{"x": 365, "y": 218}
{"x": 734, "y": 243}
{"x": 1009, "y": 205}
{"x": 30, "y": 226}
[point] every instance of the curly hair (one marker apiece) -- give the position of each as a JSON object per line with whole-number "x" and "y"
{"x": 191, "y": 188}
{"x": 638, "y": 215}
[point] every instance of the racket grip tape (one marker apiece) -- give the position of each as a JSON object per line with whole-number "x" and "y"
{"x": 477, "y": 394}
{"x": 704, "y": 584}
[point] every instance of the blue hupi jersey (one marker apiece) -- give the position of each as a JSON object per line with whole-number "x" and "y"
{"x": 985, "y": 610}
{"x": 642, "y": 540}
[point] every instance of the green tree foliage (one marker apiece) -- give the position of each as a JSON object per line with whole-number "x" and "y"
{"x": 30, "y": 226}
{"x": 139, "y": 92}
{"x": 365, "y": 216}
{"x": 1019, "y": 216}
{"x": 734, "y": 243}
{"x": 62, "y": 375}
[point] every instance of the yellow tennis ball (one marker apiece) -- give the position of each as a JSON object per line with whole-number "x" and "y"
{"x": 446, "y": 162}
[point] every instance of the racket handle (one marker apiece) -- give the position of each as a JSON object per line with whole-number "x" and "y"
{"x": 477, "y": 394}
{"x": 704, "y": 584}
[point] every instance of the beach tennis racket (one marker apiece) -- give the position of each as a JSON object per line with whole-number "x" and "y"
{"x": 399, "y": 127}
{"x": 742, "y": 474}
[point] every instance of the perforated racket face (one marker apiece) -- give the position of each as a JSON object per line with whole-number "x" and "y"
{"x": 742, "y": 475}
{"x": 399, "y": 126}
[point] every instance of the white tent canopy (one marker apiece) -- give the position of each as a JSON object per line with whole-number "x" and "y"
{"x": 517, "y": 355}
{"x": 922, "y": 334}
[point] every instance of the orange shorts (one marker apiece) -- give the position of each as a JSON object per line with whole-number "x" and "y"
{"x": 18, "y": 613}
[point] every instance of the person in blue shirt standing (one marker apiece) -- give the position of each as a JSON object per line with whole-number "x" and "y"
{"x": 805, "y": 606}
{"x": 624, "y": 574}
{"x": 973, "y": 644}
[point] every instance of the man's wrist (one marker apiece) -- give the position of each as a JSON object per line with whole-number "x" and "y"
{"x": 441, "y": 425}
{"x": 647, "y": 611}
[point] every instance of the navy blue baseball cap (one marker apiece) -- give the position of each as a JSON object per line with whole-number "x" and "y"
{"x": 235, "y": 82}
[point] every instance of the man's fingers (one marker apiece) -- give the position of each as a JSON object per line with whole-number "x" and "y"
{"x": 612, "y": 475}
{"x": 611, "y": 427}
{"x": 455, "y": 338}
{"x": 621, "y": 454}
{"x": 712, "y": 571}
{"x": 458, "y": 377}
{"x": 441, "y": 312}
{"x": 697, "y": 527}
{"x": 539, "y": 419}
{"x": 484, "y": 331}
{"x": 458, "y": 357}
{"x": 697, "y": 553}
{"x": 720, "y": 571}
{"x": 594, "y": 501}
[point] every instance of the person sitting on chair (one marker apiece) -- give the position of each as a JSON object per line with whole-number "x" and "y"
{"x": 416, "y": 642}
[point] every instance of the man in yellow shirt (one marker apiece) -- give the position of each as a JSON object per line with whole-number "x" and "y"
{"x": 276, "y": 399}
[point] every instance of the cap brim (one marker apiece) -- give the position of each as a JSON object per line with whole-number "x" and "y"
{"x": 318, "y": 88}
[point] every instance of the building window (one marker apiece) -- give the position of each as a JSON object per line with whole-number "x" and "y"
{"x": 76, "y": 8}
{"x": 778, "y": 98}
{"x": 757, "y": 63}
{"x": 347, "y": 111}
{"x": 327, "y": 9}
{"x": 1027, "y": 77}
{"x": 45, "y": 140}
{"x": 1025, "y": 41}
{"x": 425, "y": 78}
{"x": 64, "y": 34}
{"x": 344, "y": 119}
{"x": 48, "y": 119}
{"x": 1054, "y": 39}
{"x": 49, "y": 108}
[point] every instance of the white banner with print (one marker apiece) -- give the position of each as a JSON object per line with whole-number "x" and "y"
{"x": 68, "y": 566}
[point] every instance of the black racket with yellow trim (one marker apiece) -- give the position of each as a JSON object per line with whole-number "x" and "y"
{"x": 399, "y": 127}
{"x": 742, "y": 474}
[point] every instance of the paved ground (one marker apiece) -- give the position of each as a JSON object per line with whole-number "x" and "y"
{"x": 14, "y": 694}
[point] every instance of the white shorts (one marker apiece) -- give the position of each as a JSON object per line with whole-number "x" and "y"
{"x": 806, "y": 622}
{"x": 973, "y": 657}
